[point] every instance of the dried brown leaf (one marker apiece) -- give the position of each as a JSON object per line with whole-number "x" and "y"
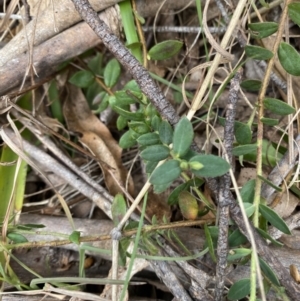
{"x": 98, "y": 139}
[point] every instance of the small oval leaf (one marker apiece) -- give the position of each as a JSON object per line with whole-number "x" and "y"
{"x": 95, "y": 64}
{"x": 263, "y": 29}
{"x": 155, "y": 153}
{"x": 111, "y": 73}
{"x": 155, "y": 123}
{"x": 17, "y": 238}
{"x": 274, "y": 219}
{"x": 213, "y": 166}
{"x": 166, "y": 173}
{"x": 159, "y": 188}
{"x": 239, "y": 289}
{"x": 244, "y": 149}
{"x": 247, "y": 191}
{"x": 242, "y": 132}
{"x": 148, "y": 139}
{"x": 269, "y": 121}
{"x": 121, "y": 122}
{"x": 139, "y": 127}
{"x": 150, "y": 166}
{"x": 277, "y": 106}
{"x": 251, "y": 85}
{"x": 183, "y": 137}
{"x": 165, "y": 132}
{"x": 165, "y": 50}
{"x": 258, "y": 53}
{"x": 289, "y": 58}
{"x": 188, "y": 205}
{"x": 82, "y": 79}
{"x": 127, "y": 141}
{"x": 294, "y": 12}
{"x": 122, "y": 98}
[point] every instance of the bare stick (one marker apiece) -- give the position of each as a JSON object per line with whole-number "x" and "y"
{"x": 224, "y": 191}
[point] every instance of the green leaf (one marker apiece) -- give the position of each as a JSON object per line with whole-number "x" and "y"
{"x": 269, "y": 237}
{"x": 269, "y": 154}
{"x": 173, "y": 197}
{"x": 150, "y": 166}
{"x": 236, "y": 238}
{"x": 94, "y": 93}
{"x": 274, "y": 219}
{"x": 148, "y": 139}
{"x": 111, "y": 73}
{"x": 121, "y": 122}
{"x": 294, "y": 12}
{"x": 268, "y": 272}
{"x": 132, "y": 86}
{"x": 155, "y": 153}
{"x": 239, "y": 253}
{"x": 263, "y": 30}
{"x": 150, "y": 112}
{"x": 127, "y": 141}
{"x": 104, "y": 98}
{"x": 17, "y": 238}
{"x": 183, "y": 137}
{"x": 278, "y": 106}
{"x": 118, "y": 209}
{"x": 74, "y": 237}
{"x": 270, "y": 183}
{"x": 136, "y": 116}
{"x": 209, "y": 242}
{"x": 247, "y": 191}
{"x": 82, "y": 79}
{"x": 249, "y": 208}
{"x": 239, "y": 289}
{"x": 155, "y": 123}
{"x": 289, "y": 58}
{"x": 252, "y": 85}
{"x": 166, "y": 173}
{"x": 165, "y": 50}
{"x": 188, "y": 205}
{"x": 258, "y": 53}
{"x": 95, "y": 64}
{"x": 242, "y": 133}
{"x": 213, "y": 166}
{"x": 122, "y": 98}
{"x": 244, "y": 149}
{"x": 165, "y": 132}
{"x": 269, "y": 121}
{"x": 159, "y": 188}
{"x": 139, "y": 127}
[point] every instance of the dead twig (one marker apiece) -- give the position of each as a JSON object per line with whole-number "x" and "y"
{"x": 225, "y": 183}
